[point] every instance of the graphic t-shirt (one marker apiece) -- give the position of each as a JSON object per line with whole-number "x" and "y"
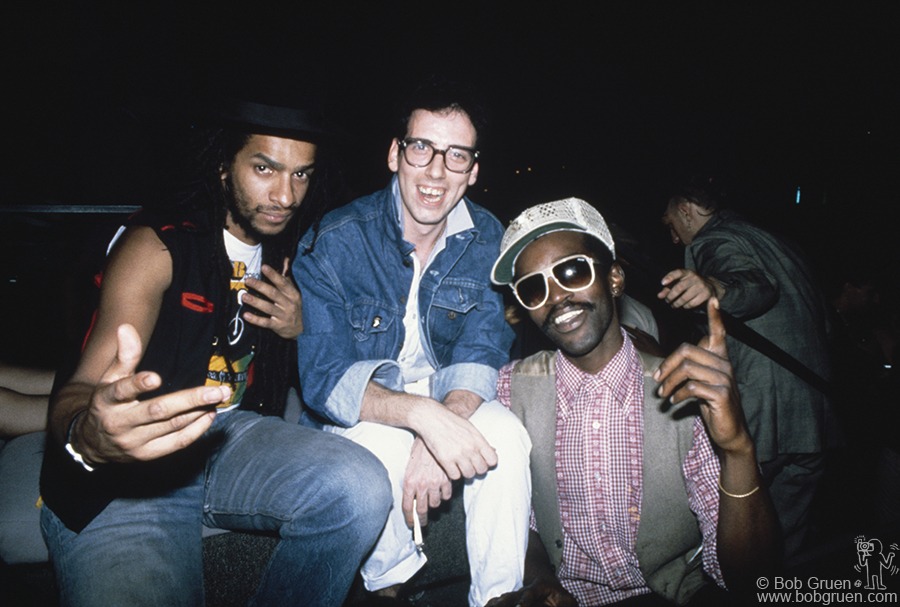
{"x": 246, "y": 261}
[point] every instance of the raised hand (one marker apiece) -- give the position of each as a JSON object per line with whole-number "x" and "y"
{"x": 281, "y": 303}
{"x": 117, "y": 427}
{"x": 747, "y": 533}
{"x": 704, "y": 372}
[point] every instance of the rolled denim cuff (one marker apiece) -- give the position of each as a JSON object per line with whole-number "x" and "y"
{"x": 345, "y": 400}
{"x": 475, "y": 377}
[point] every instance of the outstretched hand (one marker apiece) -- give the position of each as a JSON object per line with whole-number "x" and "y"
{"x": 704, "y": 372}
{"x": 686, "y": 289}
{"x": 117, "y": 427}
{"x": 281, "y": 304}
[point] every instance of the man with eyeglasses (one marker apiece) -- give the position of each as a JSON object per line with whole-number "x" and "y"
{"x": 403, "y": 336}
{"x": 634, "y": 498}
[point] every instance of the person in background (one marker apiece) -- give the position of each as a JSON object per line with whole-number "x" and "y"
{"x": 764, "y": 282}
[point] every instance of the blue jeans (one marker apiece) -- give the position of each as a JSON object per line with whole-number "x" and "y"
{"x": 325, "y": 497}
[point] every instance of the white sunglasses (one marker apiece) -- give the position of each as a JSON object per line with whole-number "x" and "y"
{"x": 574, "y": 273}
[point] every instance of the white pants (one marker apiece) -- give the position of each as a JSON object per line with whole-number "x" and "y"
{"x": 497, "y": 506}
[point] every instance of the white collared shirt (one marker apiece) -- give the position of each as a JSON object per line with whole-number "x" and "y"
{"x": 414, "y": 364}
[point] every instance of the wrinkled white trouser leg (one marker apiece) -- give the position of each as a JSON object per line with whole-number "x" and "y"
{"x": 497, "y": 506}
{"x": 394, "y": 558}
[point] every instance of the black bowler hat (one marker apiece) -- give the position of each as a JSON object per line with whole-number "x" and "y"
{"x": 298, "y": 117}
{"x": 291, "y": 122}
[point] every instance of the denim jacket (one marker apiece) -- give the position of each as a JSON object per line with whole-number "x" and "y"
{"x": 355, "y": 282}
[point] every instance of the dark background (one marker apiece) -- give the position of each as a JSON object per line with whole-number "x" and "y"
{"x": 606, "y": 101}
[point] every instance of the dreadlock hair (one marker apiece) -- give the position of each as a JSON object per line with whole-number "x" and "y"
{"x": 214, "y": 150}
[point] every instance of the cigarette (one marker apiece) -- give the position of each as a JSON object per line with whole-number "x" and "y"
{"x": 696, "y": 553}
{"x": 417, "y": 528}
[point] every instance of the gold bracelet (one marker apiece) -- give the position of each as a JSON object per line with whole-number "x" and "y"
{"x": 738, "y": 495}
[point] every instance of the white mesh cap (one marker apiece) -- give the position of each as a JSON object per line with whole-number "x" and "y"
{"x": 569, "y": 214}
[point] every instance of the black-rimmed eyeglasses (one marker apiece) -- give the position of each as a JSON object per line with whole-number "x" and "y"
{"x": 420, "y": 152}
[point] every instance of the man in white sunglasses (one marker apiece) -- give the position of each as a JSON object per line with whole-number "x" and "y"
{"x": 633, "y": 498}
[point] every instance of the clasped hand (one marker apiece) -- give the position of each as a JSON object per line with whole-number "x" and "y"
{"x": 447, "y": 448}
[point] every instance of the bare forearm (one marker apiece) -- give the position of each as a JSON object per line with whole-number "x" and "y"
{"x": 747, "y": 539}
{"x": 21, "y": 413}
{"x": 400, "y": 409}
{"x": 26, "y": 380}
{"x": 389, "y": 407}
{"x": 463, "y": 402}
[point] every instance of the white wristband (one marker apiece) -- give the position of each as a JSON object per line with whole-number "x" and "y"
{"x": 75, "y": 454}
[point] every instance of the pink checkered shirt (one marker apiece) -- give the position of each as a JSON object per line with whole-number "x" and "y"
{"x": 599, "y": 444}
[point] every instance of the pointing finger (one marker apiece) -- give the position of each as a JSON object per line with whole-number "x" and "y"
{"x": 716, "y": 341}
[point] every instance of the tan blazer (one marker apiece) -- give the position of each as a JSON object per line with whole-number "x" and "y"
{"x": 668, "y": 534}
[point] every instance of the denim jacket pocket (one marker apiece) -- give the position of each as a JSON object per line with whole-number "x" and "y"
{"x": 450, "y": 307}
{"x": 372, "y": 323}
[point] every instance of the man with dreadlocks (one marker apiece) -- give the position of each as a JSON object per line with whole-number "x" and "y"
{"x": 149, "y": 437}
